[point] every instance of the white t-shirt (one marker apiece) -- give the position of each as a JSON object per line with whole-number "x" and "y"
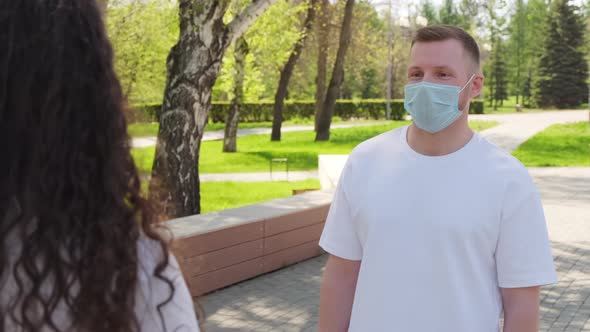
{"x": 179, "y": 314}
{"x": 437, "y": 236}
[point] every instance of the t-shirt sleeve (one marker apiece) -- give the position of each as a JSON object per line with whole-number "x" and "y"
{"x": 340, "y": 237}
{"x": 523, "y": 253}
{"x": 176, "y": 315}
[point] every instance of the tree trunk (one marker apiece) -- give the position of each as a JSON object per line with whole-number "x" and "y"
{"x": 287, "y": 71}
{"x": 323, "y": 29}
{"x": 325, "y": 120}
{"x": 233, "y": 116}
{"x": 193, "y": 66}
{"x": 102, "y": 5}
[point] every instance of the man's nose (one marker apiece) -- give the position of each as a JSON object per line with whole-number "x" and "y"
{"x": 428, "y": 77}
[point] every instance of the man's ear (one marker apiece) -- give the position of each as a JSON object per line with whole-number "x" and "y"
{"x": 477, "y": 85}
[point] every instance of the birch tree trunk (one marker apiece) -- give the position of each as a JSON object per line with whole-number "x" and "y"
{"x": 193, "y": 66}
{"x": 233, "y": 115}
{"x": 287, "y": 71}
{"x": 325, "y": 119}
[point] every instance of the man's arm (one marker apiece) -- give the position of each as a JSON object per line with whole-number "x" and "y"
{"x": 337, "y": 294}
{"x": 521, "y": 309}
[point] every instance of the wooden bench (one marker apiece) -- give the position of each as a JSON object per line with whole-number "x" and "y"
{"x": 219, "y": 249}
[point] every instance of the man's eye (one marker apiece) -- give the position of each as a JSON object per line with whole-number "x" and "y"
{"x": 443, "y": 75}
{"x": 415, "y": 75}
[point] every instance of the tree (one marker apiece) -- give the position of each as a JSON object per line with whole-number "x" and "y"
{"x": 270, "y": 43}
{"x": 192, "y": 68}
{"x": 448, "y": 13}
{"x": 323, "y": 32}
{"x": 142, "y": 32}
{"x": 527, "y": 88}
{"x": 468, "y": 10}
{"x": 233, "y": 115}
{"x": 499, "y": 74}
{"x": 429, "y": 12}
{"x": 536, "y": 18}
{"x": 365, "y": 68}
{"x": 495, "y": 26}
{"x": 563, "y": 69}
{"x": 287, "y": 71}
{"x": 325, "y": 119}
{"x": 517, "y": 29}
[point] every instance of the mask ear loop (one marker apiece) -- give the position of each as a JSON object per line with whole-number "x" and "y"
{"x": 466, "y": 84}
{"x": 469, "y": 81}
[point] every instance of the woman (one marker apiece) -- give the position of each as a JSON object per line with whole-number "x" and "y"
{"x": 79, "y": 247}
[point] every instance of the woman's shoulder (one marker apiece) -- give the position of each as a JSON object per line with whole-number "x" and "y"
{"x": 163, "y": 300}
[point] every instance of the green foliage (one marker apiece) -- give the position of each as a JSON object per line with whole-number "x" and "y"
{"x": 346, "y": 109}
{"x": 468, "y": 10}
{"x": 299, "y": 147}
{"x": 142, "y": 33}
{"x": 270, "y": 40}
{"x": 216, "y": 196}
{"x": 366, "y": 59}
{"x": 476, "y": 107}
{"x": 272, "y": 37}
{"x": 517, "y": 49}
{"x": 462, "y": 14}
{"x": 448, "y": 13}
{"x": 563, "y": 68}
{"x": 428, "y": 11}
{"x": 559, "y": 145}
{"x": 498, "y": 73}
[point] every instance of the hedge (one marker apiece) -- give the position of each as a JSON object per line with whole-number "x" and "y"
{"x": 345, "y": 109}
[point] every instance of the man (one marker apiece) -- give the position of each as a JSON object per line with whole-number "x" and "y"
{"x": 432, "y": 228}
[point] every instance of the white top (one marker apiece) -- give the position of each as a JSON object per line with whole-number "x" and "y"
{"x": 437, "y": 236}
{"x": 178, "y": 314}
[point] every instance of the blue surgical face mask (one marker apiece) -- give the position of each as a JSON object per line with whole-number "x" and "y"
{"x": 433, "y": 106}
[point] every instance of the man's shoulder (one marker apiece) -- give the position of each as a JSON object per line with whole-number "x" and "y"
{"x": 377, "y": 145}
{"x": 502, "y": 164}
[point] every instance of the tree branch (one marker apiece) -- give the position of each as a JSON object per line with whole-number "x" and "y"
{"x": 244, "y": 20}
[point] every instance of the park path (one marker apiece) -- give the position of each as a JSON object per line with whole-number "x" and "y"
{"x": 288, "y": 299}
{"x": 512, "y": 130}
{"x": 217, "y": 135}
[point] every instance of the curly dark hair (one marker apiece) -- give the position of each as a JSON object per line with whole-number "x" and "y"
{"x": 70, "y": 192}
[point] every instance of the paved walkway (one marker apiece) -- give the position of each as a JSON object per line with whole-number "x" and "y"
{"x": 217, "y": 135}
{"x": 287, "y": 300}
{"x": 516, "y": 128}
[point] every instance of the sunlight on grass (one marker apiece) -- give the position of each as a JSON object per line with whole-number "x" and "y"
{"x": 255, "y": 151}
{"x": 226, "y": 195}
{"x": 558, "y": 145}
{"x": 143, "y": 129}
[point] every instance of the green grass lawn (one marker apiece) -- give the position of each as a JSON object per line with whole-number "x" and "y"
{"x": 255, "y": 151}
{"x": 226, "y": 195}
{"x": 558, "y": 145}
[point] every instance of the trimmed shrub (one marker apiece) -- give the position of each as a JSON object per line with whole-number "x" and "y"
{"x": 303, "y": 109}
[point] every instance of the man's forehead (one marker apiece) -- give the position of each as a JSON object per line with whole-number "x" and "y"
{"x": 439, "y": 54}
